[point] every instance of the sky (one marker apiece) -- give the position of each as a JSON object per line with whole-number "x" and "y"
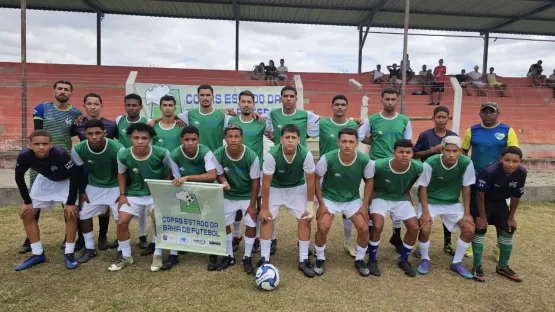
{"x": 70, "y": 38}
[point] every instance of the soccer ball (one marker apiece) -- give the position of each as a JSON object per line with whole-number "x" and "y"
{"x": 267, "y": 277}
{"x": 189, "y": 199}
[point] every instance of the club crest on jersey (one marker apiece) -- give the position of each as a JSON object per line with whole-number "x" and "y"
{"x": 123, "y": 131}
{"x": 226, "y": 169}
{"x": 500, "y": 136}
{"x": 512, "y": 184}
{"x": 53, "y": 168}
{"x": 182, "y": 169}
{"x": 69, "y": 122}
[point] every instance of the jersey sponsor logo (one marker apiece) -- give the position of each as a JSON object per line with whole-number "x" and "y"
{"x": 34, "y": 111}
{"x": 387, "y": 181}
{"x": 500, "y": 136}
{"x": 522, "y": 190}
{"x": 280, "y": 126}
{"x": 90, "y": 161}
{"x": 441, "y": 178}
{"x": 332, "y": 135}
{"x": 338, "y": 175}
{"x": 124, "y": 131}
{"x": 197, "y": 123}
{"x": 135, "y": 170}
{"x": 181, "y": 169}
{"x": 68, "y": 165}
{"x": 160, "y": 140}
{"x": 53, "y": 168}
{"x": 512, "y": 184}
{"x": 226, "y": 169}
{"x": 68, "y": 121}
{"x": 281, "y": 171}
{"x": 481, "y": 183}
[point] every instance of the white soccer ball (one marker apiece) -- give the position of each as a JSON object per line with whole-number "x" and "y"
{"x": 267, "y": 277}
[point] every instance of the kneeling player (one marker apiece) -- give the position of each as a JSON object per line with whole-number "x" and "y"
{"x": 57, "y": 181}
{"x": 238, "y": 170}
{"x": 342, "y": 171}
{"x": 440, "y": 184}
{"x": 393, "y": 179}
{"x": 288, "y": 180}
{"x": 495, "y": 183}
{"x": 135, "y": 164}
{"x": 99, "y": 156}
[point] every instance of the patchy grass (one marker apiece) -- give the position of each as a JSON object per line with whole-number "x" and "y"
{"x": 189, "y": 286}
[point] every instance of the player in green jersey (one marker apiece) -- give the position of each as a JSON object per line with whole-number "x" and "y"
{"x": 342, "y": 171}
{"x": 238, "y": 169}
{"x": 288, "y": 180}
{"x": 381, "y": 130}
{"x": 98, "y": 155}
{"x": 135, "y": 164}
{"x": 195, "y": 164}
{"x": 167, "y": 130}
{"x": 443, "y": 177}
{"x": 393, "y": 179}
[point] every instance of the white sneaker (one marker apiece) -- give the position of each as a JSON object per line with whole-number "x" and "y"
{"x": 121, "y": 263}
{"x": 350, "y": 249}
{"x": 156, "y": 263}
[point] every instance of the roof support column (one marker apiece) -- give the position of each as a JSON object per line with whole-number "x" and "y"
{"x": 236, "y": 44}
{"x": 99, "y": 17}
{"x": 404, "y": 66}
{"x": 23, "y": 72}
{"x": 360, "y": 46}
{"x": 485, "y": 56}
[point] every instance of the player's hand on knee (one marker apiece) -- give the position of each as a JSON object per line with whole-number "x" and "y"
{"x": 363, "y": 212}
{"x": 511, "y": 225}
{"x": 26, "y": 209}
{"x": 467, "y": 219}
{"x": 251, "y": 210}
{"x": 425, "y": 220}
{"x": 322, "y": 211}
{"x": 122, "y": 200}
{"x": 266, "y": 216}
{"x": 71, "y": 211}
{"x": 481, "y": 223}
{"x": 83, "y": 198}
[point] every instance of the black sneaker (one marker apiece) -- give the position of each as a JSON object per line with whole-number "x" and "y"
{"x": 86, "y": 255}
{"x": 79, "y": 243}
{"x": 212, "y": 263}
{"x": 25, "y": 248}
{"x": 362, "y": 268}
{"x": 373, "y": 268}
{"x": 226, "y": 262}
{"x": 319, "y": 267}
{"x": 478, "y": 272}
{"x": 235, "y": 243}
{"x": 63, "y": 244}
{"x": 143, "y": 243}
{"x": 256, "y": 246}
{"x": 261, "y": 262}
{"x": 149, "y": 250}
{"x": 170, "y": 262}
{"x": 247, "y": 265}
{"x": 406, "y": 267}
{"x": 397, "y": 243}
{"x": 103, "y": 243}
{"x": 307, "y": 268}
{"x": 273, "y": 247}
{"x": 507, "y": 272}
{"x": 114, "y": 244}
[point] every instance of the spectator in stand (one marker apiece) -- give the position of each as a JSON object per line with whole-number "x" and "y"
{"x": 379, "y": 77}
{"x": 535, "y": 72}
{"x": 462, "y": 79}
{"x": 282, "y": 71}
{"x": 258, "y": 72}
{"x": 394, "y": 75}
{"x": 408, "y": 69}
{"x": 426, "y": 78}
{"x": 492, "y": 82}
{"x": 270, "y": 72}
{"x": 476, "y": 81}
{"x": 550, "y": 82}
{"x": 439, "y": 82}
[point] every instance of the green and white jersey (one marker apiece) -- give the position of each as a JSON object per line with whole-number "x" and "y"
{"x": 288, "y": 174}
{"x": 168, "y": 138}
{"x": 138, "y": 170}
{"x": 102, "y": 167}
{"x": 391, "y": 185}
{"x": 253, "y": 134}
{"x": 384, "y": 132}
{"x": 58, "y": 122}
{"x": 328, "y": 133}
{"x": 342, "y": 181}
{"x": 210, "y": 126}
{"x": 305, "y": 120}
{"x": 239, "y": 173}
{"x": 123, "y": 124}
{"x": 201, "y": 163}
{"x": 444, "y": 184}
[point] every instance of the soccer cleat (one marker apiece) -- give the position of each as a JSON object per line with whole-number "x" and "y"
{"x": 320, "y": 267}
{"x": 461, "y": 270}
{"x": 120, "y": 263}
{"x": 361, "y": 268}
{"x": 350, "y": 249}
{"x": 261, "y": 262}
{"x": 273, "y": 247}
{"x": 247, "y": 265}
{"x": 70, "y": 262}
{"x": 31, "y": 261}
{"x": 496, "y": 251}
{"x": 86, "y": 255}
{"x": 63, "y": 244}
{"x": 507, "y": 272}
{"x": 469, "y": 253}
{"x": 156, "y": 263}
{"x": 373, "y": 268}
{"x": 307, "y": 268}
{"x": 256, "y": 246}
{"x": 448, "y": 249}
{"x": 397, "y": 243}
{"x": 417, "y": 253}
{"x": 226, "y": 262}
{"x": 25, "y": 248}
{"x": 406, "y": 267}
{"x": 114, "y": 244}
{"x": 103, "y": 243}
{"x": 170, "y": 262}
{"x": 149, "y": 250}
{"x": 181, "y": 252}
{"x": 79, "y": 243}
{"x": 235, "y": 243}
{"x": 143, "y": 243}
{"x": 212, "y": 263}
{"x": 424, "y": 267}
{"x": 478, "y": 272}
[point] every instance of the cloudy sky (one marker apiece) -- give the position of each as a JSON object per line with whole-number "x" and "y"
{"x": 70, "y": 38}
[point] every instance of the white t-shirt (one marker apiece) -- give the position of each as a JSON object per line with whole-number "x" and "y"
{"x": 282, "y": 70}
{"x": 377, "y": 74}
{"x": 474, "y": 75}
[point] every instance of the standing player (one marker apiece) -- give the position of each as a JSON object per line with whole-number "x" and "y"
{"x": 195, "y": 164}
{"x": 98, "y": 155}
{"x": 393, "y": 179}
{"x": 429, "y": 144}
{"x": 135, "y": 164}
{"x": 381, "y": 130}
{"x": 57, "y": 181}
{"x": 167, "y": 131}
{"x": 133, "y": 105}
{"x": 441, "y": 182}
{"x": 342, "y": 171}
{"x": 495, "y": 183}
{"x": 328, "y": 129}
{"x": 238, "y": 170}
{"x": 93, "y": 106}
{"x": 288, "y": 180}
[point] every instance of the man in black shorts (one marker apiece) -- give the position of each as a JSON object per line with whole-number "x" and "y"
{"x": 438, "y": 85}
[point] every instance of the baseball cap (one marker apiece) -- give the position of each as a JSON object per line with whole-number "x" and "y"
{"x": 490, "y": 105}
{"x": 451, "y": 139}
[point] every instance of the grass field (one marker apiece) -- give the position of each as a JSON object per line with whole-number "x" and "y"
{"x": 190, "y": 287}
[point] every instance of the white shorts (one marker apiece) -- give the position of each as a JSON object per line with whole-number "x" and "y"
{"x": 45, "y": 192}
{"x": 138, "y": 205}
{"x": 232, "y": 206}
{"x": 99, "y": 200}
{"x": 348, "y": 208}
{"x": 399, "y": 210}
{"x": 294, "y": 198}
{"x": 479, "y": 84}
{"x": 450, "y": 214}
